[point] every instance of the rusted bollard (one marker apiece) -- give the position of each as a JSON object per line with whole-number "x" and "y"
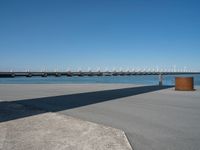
{"x": 184, "y": 84}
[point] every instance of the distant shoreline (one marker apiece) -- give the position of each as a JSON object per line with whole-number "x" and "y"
{"x": 140, "y": 79}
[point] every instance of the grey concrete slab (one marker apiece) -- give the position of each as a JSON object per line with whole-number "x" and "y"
{"x": 157, "y": 119}
{"x": 53, "y": 131}
{"x": 166, "y": 119}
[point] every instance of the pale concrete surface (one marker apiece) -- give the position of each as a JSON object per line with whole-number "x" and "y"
{"x": 52, "y": 131}
{"x": 26, "y": 91}
{"x": 154, "y": 120}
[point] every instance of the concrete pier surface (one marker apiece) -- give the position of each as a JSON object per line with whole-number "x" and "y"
{"x": 53, "y": 131}
{"x": 152, "y": 117}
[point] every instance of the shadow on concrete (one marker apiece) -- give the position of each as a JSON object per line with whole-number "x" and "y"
{"x": 24, "y": 108}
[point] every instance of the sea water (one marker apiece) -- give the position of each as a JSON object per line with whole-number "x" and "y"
{"x": 137, "y": 79}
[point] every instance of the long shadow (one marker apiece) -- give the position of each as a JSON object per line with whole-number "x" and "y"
{"x": 24, "y": 108}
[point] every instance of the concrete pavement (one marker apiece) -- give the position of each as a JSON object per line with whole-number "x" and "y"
{"x": 53, "y": 131}
{"x": 156, "y": 119}
{"x": 167, "y": 119}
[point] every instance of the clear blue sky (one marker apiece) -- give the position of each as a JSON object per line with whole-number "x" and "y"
{"x": 99, "y": 33}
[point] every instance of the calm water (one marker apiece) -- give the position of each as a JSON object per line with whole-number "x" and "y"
{"x": 168, "y": 80}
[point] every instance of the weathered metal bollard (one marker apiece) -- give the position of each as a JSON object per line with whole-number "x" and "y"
{"x": 160, "y": 79}
{"x": 184, "y": 84}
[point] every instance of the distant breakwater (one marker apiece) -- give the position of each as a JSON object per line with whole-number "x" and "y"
{"x": 90, "y": 73}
